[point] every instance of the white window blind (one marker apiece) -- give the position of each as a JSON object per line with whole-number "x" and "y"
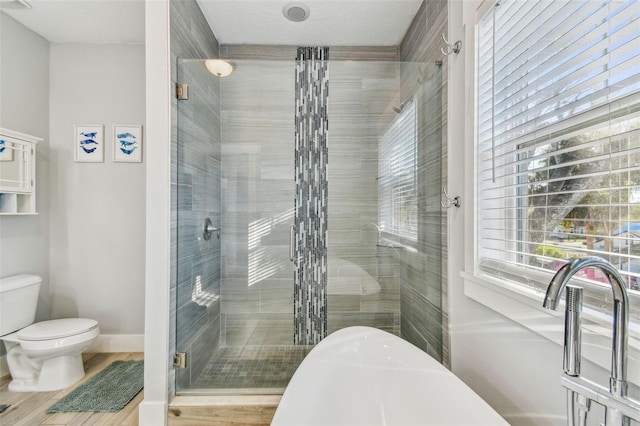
{"x": 397, "y": 166}
{"x": 558, "y": 133}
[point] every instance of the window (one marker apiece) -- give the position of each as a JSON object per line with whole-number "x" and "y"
{"x": 397, "y": 165}
{"x": 558, "y": 154}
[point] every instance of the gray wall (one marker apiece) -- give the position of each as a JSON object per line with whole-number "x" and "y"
{"x": 96, "y": 209}
{"x": 24, "y": 107}
{"x": 425, "y": 307}
{"x": 196, "y": 154}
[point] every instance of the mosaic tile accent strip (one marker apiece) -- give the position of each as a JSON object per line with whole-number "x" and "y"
{"x": 310, "y": 248}
{"x": 252, "y": 367}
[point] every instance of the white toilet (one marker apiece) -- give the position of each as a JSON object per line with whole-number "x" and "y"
{"x": 44, "y": 356}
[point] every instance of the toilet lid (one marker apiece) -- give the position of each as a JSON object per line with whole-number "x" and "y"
{"x": 56, "y": 329}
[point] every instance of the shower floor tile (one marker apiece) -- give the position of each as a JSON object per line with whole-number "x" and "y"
{"x": 251, "y": 367}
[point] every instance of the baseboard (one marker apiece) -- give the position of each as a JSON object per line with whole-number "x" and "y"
{"x": 152, "y": 413}
{"x": 104, "y": 343}
{"x": 118, "y": 343}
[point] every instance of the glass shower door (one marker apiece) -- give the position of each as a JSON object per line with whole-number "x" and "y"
{"x": 238, "y": 163}
{"x": 256, "y": 347}
{"x": 198, "y": 193}
{"x": 236, "y": 133}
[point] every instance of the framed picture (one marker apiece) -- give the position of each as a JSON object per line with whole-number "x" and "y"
{"x": 89, "y": 143}
{"x": 127, "y": 144}
{"x": 6, "y": 150}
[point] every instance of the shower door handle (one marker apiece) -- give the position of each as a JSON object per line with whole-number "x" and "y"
{"x": 292, "y": 235}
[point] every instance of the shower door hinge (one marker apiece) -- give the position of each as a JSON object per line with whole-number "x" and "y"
{"x": 180, "y": 360}
{"x": 182, "y": 91}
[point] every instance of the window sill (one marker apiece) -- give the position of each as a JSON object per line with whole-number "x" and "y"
{"x": 524, "y": 306}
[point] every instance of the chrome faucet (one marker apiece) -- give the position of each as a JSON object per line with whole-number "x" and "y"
{"x": 618, "y": 380}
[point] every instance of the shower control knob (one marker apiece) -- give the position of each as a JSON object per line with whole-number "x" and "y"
{"x": 210, "y": 229}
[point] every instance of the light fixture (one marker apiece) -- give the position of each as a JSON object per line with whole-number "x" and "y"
{"x": 296, "y": 11}
{"x": 218, "y": 67}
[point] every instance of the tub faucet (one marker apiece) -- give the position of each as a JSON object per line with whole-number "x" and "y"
{"x": 618, "y": 380}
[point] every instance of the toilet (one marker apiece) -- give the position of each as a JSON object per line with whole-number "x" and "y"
{"x": 43, "y": 356}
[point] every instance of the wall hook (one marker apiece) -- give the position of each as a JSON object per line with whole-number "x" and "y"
{"x": 451, "y": 202}
{"x": 451, "y": 48}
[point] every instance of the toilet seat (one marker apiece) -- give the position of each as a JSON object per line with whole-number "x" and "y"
{"x": 56, "y": 329}
{"x": 54, "y": 335}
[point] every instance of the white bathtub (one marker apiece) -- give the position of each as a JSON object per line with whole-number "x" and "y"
{"x": 364, "y": 376}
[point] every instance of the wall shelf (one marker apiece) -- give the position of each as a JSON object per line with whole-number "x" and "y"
{"x": 17, "y": 173}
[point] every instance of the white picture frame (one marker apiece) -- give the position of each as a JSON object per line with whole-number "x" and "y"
{"x": 127, "y": 143}
{"x": 89, "y": 143}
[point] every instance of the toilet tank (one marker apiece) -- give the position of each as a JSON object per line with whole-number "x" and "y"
{"x": 18, "y": 302}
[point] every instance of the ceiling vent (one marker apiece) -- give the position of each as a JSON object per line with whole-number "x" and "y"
{"x": 296, "y": 12}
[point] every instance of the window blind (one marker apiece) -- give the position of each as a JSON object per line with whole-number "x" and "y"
{"x": 558, "y": 133}
{"x": 397, "y": 165}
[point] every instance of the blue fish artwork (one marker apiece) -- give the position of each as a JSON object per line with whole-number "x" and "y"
{"x": 88, "y": 150}
{"x": 2, "y": 146}
{"x": 126, "y": 135}
{"x": 127, "y": 143}
{"x": 89, "y": 135}
{"x": 87, "y": 142}
{"x": 128, "y": 151}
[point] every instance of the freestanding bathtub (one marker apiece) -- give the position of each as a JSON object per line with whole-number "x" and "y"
{"x": 365, "y": 376}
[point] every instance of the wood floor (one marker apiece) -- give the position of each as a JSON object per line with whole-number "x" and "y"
{"x": 30, "y": 409}
{"x": 238, "y": 410}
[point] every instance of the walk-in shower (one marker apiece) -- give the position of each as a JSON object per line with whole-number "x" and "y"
{"x": 326, "y": 196}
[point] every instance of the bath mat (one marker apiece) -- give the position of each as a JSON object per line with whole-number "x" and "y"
{"x": 108, "y": 391}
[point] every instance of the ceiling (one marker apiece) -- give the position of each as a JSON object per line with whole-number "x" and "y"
{"x": 81, "y": 21}
{"x": 336, "y": 23}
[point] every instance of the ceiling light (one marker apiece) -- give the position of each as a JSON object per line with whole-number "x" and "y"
{"x": 218, "y": 67}
{"x": 295, "y": 11}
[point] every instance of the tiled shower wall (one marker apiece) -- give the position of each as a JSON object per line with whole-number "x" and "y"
{"x": 413, "y": 283}
{"x": 195, "y": 177}
{"x": 258, "y": 193}
{"x": 310, "y": 207}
